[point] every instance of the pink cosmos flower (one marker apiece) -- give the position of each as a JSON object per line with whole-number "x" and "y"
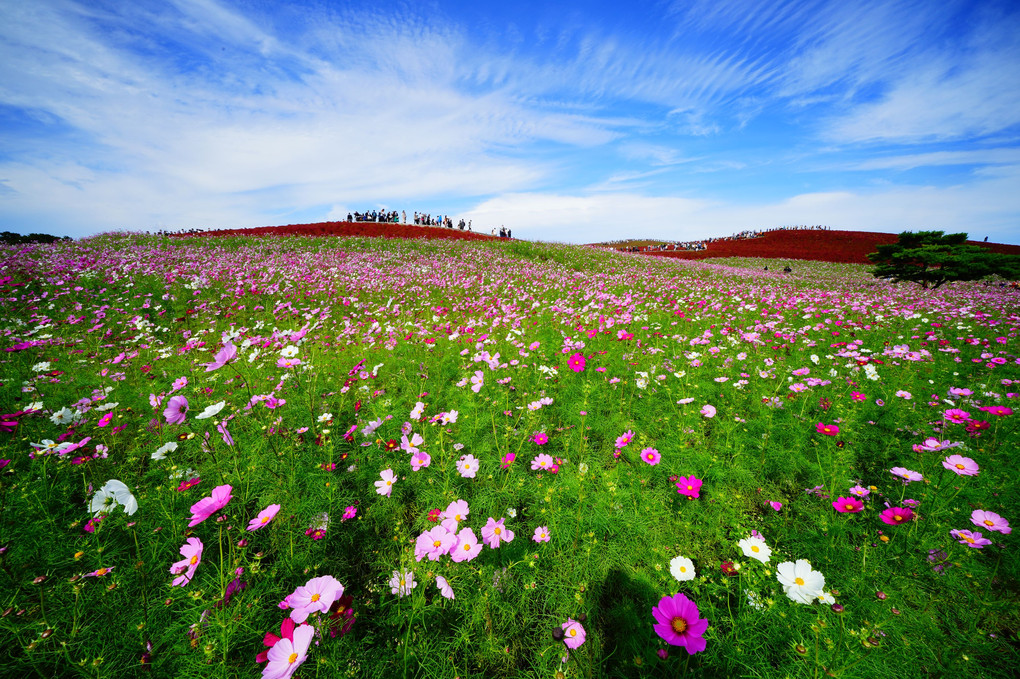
{"x": 263, "y": 518}
{"x": 708, "y": 411}
{"x": 468, "y": 465}
{"x": 858, "y": 396}
{"x": 420, "y": 459}
{"x": 316, "y": 595}
{"x": 434, "y": 543}
{"x": 848, "y": 505}
{"x": 444, "y": 587}
{"x": 972, "y": 539}
{"x": 894, "y": 516}
{"x": 540, "y": 438}
{"x": 223, "y": 356}
{"x": 956, "y": 415}
{"x": 958, "y": 464}
{"x": 860, "y": 491}
{"x": 541, "y": 534}
{"x": 495, "y": 532}
{"x": 906, "y": 474}
{"x": 775, "y": 505}
{"x": 467, "y": 546}
{"x": 411, "y": 445}
{"x": 651, "y": 456}
{"x": 576, "y": 362}
{"x": 185, "y": 568}
{"x": 287, "y": 655}
{"x": 477, "y": 381}
{"x": 207, "y": 506}
{"x": 1001, "y": 411}
{"x": 507, "y": 460}
{"x": 991, "y": 521}
{"x": 384, "y": 486}
{"x": 99, "y": 573}
{"x": 827, "y": 429}
{"x": 624, "y": 439}
{"x": 176, "y": 410}
{"x": 456, "y": 512}
{"x": 542, "y": 461}
{"x": 573, "y": 633}
{"x": 689, "y": 486}
{"x": 349, "y": 513}
{"x": 270, "y": 640}
{"x": 678, "y": 623}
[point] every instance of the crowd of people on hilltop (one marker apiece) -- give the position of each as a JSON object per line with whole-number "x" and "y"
{"x": 696, "y": 245}
{"x": 390, "y": 217}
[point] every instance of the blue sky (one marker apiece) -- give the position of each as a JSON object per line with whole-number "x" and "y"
{"x": 574, "y": 122}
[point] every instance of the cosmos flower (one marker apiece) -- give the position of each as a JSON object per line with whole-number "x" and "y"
{"x": 384, "y": 486}
{"x": 185, "y": 568}
{"x": 176, "y": 410}
{"x": 991, "y": 521}
{"x": 576, "y": 362}
{"x": 689, "y": 486}
{"x": 113, "y": 493}
{"x": 799, "y": 581}
{"x": 958, "y": 464}
{"x": 894, "y": 516}
{"x": 906, "y": 474}
{"x": 402, "y": 583}
{"x": 495, "y": 532}
{"x": 263, "y": 518}
{"x": 827, "y": 429}
{"x": 651, "y": 456}
{"x": 573, "y": 633}
{"x": 541, "y": 534}
{"x": 972, "y": 539}
{"x": 207, "y": 506}
{"x": 848, "y": 505}
{"x": 468, "y": 466}
{"x": 316, "y": 595}
{"x": 682, "y": 568}
{"x": 444, "y": 587}
{"x": 467, "y": 546}
{"x": 286, "y": 655}
{"x": 755, "y": 548}
{"x": 624, "y": 439}
{"x": 678, "y": 623}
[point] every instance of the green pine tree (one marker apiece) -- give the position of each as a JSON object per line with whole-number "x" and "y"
{"x": 933, "y": 259}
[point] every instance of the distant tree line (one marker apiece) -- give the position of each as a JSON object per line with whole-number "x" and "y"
{"x": 10, "y": 238}
{"x": 933, "y": 258}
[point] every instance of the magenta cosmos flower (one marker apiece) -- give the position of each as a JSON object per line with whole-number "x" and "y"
{"x": 1000, "y": 411}
{"x": 223, "y": 356}
{"x": 495, "y": 532}
{"x": 895, "y": 516}
{"x": 991, "y": 521}
{"x": 678, "y": 623}
{"x": 318, "y": 594}
{"x": 651, "y": 456}
{"x": 185, "y": 568}
{"x": 827, "y": 429}
{"x": 540, "y": 438}
{"x": 176, "y": 410}
{"x": 624, "y": 439}
{"x": 576, "y": 362}
{"x": 264, "y": 517}
{"x": 848, "y": 505}
{"x": 689, "y": 486}
{"x": 958, "y": 464}
{"x": 956, "y": 415}
{"x": 207, "y": 506}
{"x": 970, "y": 538}
{"x": 573, "y": 633}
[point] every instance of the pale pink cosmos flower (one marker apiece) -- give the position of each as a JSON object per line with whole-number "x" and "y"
{"x": 972, "y": 539}
{"x": 708, "y": 411}
{"x": 542, "y": 461}
{"x": 495, "y": 532}
{"x": 434, "y": 543}
{"x": 958, "y": 464}
{"x": 264, "y": 517}
{"x": 176, "y": 410}
{"x": 444, "y": 587}
{"x": 468, "y": 466}
{"x": 541, "y": 534}
{"x": 384, "y": 486}
{"x": 316, "y": 595}
{"x": 906, "y": 474}
{"x": 223, "y": 356}
{"x": 207, "y": 506}
{"x": 477, "y": 381}
{"x": 286, "y": 655}
{"x": 991, "y": 521}
{"x": 573, "y": 633}
{"x": 467, "y": 546}
{"x": 411, "y": 445}
{"x": 420, "y": 459}
{"x": 456, "y": 512}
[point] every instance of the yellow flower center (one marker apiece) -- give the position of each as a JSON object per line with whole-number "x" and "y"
{"x": 683, "y": 569}
{"x": 848, "y": 506}
{"x": 265, "y": 519}
{"x": 755, "y": 548}
{"x": 799, "y": 581}
{"x": 679, "y": 625}
{"x": 316, "y": 597}
{"x": 101, "y": 571}
{"x": 437, "y": 543}
{"x": 467, "y": 548}
{"x": 898, "y": 517}
{"x": 573, "y": 632}
{"x": 968, "y": 539}
{"x": 960, "y": 466}
{"x": 989, "y": 522}
{"x": 497, "y": 531}
{"x": 194, "y": 560}
{"x": 690, "y": 487}
{"x": 292, "y": 658}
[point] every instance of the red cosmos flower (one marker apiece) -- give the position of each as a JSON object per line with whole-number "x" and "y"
{"x": 392, "y": 444}
{"x": 434, "y": 514}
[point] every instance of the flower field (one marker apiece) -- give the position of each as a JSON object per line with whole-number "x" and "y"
{"x": 301, "y": 456}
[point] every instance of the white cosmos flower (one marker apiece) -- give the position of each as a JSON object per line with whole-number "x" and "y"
{"x": 799, "y": 581}
{"x": 41, "y": 367}
{"x": 289, "y": 351}
{"x": 106, "y": 406}
{"x": 755, "y": 548}
{"x": 211, "y": 410}
{"x": 325, "y": 417}
{"x": 113, "y": 493}
{"x": 161, "y": 452}
{"x": 682, "y": 568}
{"x": 62, "y": 416}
